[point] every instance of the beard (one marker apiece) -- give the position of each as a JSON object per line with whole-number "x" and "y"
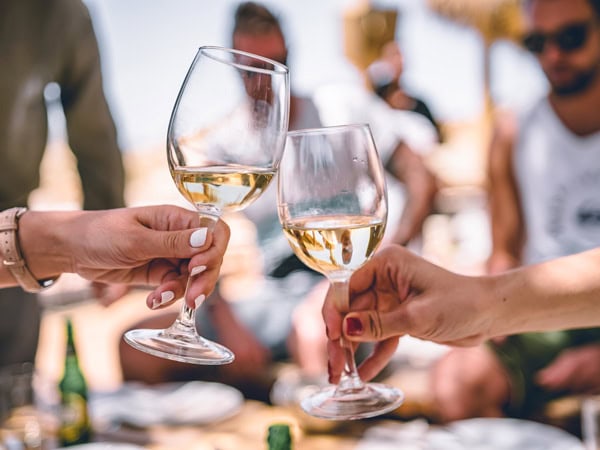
{"x": 580, "y": 83}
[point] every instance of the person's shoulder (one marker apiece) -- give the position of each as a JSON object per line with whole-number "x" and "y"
{"x": 530, "y": 111}
{"x": 509, "y": 120}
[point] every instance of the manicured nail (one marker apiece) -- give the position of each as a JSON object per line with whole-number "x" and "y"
{"x": 196, "y": 270}
{"x": 165, "y": 297}
{"x": 199, "y": 300}
{"x": 353, "y": 326}
{"x": 198, "y": 237}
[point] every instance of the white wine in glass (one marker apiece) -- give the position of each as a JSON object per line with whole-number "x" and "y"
{"x": 224, "y": 143}
{"x": 333, "y": 208}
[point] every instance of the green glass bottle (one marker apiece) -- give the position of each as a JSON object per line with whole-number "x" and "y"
{"x": 75, "y": 423}
{"x": 279, "y": 437}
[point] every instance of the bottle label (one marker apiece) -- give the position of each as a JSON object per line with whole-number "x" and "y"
{"x": 74, "y": 419}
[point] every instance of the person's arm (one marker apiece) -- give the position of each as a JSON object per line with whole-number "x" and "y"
{"x": 505, "y": 211}
{"x": 91, "y": 130}
{"x": 154, "y": 246}
{"x": 421, "y": 188}
{"x": 400, "y": 293}
{"x": 558, "y": 294}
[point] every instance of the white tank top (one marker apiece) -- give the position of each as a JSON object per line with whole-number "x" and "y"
{"x": 558, "y": 176}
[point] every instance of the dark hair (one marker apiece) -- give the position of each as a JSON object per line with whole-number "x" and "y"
{"x": 595, "y": 4}
{"x": 254, "y": 18}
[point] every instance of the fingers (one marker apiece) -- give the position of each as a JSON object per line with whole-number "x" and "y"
{"x": 177, "y": 234}
{"x": 204, "y": 267}
{"x": 336, "y": 355}
{"x": 378, "y": 359}
{"x": 171, "y": 289}
{"x": 332, "y": 317}
{"x": 204, "y": 274}
{"x": 373, "y": 325}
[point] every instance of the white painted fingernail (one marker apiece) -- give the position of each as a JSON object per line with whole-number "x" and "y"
{"x": 196, "y": 270}
{"x": 199, "y": 300}
{"x": 165, "y": 297}
{"x": 198, "y": 237}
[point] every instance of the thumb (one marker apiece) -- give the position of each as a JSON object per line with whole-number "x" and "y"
{"x": 372, "y": 325}
{"x": 177, "y": 244}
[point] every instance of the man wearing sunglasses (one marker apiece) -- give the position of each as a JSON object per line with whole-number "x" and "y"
{"x": 544, "y": 198}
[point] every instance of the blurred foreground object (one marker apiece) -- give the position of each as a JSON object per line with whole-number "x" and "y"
{"x": 75, "y": 424}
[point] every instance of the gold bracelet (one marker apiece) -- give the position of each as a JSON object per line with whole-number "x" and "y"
{"x": 12, "y": 257}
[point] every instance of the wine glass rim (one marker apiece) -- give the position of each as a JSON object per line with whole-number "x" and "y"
{"x": 328, "y": 129}
{"x": 207, "y": 50}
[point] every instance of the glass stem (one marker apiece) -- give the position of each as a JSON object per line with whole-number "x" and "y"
{"x": 186, "y": 320}
{"x": 349, "y": 381}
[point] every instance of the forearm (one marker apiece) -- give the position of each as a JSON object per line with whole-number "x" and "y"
{"x": 559, "y": 294}
{"x": 43, "y": 238}
{"x": 421, "y": 188}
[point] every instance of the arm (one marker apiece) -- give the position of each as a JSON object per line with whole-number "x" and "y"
{"x": 91, "y": 130}
{"x": 505, "y": 211}
{"x": 421, "y": 189}
{"x": 399, "y": 293}
{"x": 156, "y": 246}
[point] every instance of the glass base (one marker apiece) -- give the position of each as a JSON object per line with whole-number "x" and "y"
{"x": 183, "y": 347}
{"x": 372, "y": 400}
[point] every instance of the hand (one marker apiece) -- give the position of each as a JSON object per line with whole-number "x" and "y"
{"x": 155, "y": 245}
{"x": 576, "y": 370}
{"x": 400, "y": 293}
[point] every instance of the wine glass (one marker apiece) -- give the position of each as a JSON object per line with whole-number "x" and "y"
{"x": 332, "y": 204}
{"x": 224, "y": 143}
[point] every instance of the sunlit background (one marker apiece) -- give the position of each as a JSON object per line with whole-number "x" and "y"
{"x": 147, "y": 46}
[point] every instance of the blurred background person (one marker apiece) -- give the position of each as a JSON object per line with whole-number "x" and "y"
{"x": 403, "y": 137}
{"x": 544, "y": 181}
{"x": 384, "y": 77}
{"x": 42, "y": 42}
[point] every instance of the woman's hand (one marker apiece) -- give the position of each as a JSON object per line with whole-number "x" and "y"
{"x": 400, "y": 293}
{"x": 154, "y": 245}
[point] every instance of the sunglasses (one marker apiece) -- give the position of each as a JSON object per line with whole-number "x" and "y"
{"x": 567, "y": 39}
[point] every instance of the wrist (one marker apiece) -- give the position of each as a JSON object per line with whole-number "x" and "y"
{"x": 504, "y": 307}
{"x": 43, "y": 239}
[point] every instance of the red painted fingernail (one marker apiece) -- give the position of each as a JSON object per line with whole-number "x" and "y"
{"x": 354, "y": 326}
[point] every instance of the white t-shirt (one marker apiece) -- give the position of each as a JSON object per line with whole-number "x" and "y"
{"x": 341, "y": 104}
{"x": 558, "y": 176}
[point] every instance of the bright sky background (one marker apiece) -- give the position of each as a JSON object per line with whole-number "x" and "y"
{"x": 147, "y": 46}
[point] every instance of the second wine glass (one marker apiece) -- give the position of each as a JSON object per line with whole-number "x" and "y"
{"x": 333, "y": 208}
{"x": 224, "y": 143}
